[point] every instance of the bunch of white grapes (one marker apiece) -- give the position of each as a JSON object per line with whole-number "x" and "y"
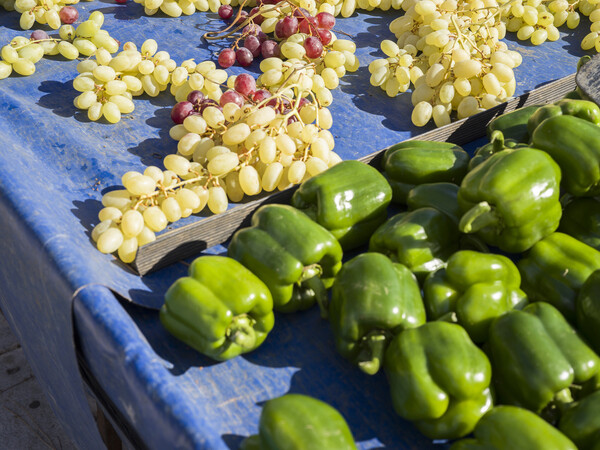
{"x": 225, "y": 152}
{"x": 452, "y": 56}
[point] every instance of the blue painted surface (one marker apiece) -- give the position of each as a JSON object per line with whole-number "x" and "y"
{"x": 54, "y": 167}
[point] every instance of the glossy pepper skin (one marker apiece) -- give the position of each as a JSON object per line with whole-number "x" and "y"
{"x": 581, "y": 422}
{"x": 439, "y": 379}
{"x": 422, "y": 240}
{"x": 497, "y": 144}
{"x": 300, "y": 422}
{"x": 510, "y": 427}
{"x": 581, "y": 219}
{"x": 440, "y": 196}
{"x": 574, "y": 144}
{"x": 411, "y": 163}
{"x": 349, "y": 199}
{"x": 293, "y": 255}
{"x": 221, "y": 309}
{"x": 555, "y": 269}
{"x": 588, "y": 310}
{"x": 513, "y": 125}
{"x": 511, "y": 200}
{"x": 476, "y": 288}
{"x": 536, "y": 357}
{"x": 583, "y": 109}
{"x": 372, "y": 300}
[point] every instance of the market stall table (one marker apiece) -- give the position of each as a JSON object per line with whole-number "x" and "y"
{"x": 69, "y": 304}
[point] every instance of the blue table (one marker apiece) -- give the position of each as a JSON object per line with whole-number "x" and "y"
{"x": 71, "y": 305}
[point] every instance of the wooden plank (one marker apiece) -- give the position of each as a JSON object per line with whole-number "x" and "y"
{"x": 192, "y": 239}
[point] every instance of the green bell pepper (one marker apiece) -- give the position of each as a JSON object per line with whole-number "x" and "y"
{"x": 439, "y": 379}
{"x": 510, "y": 427}
{"x": 411, "y": 163}
{"x": 574, "y": 144}
{"x": 422, "y": 240}
{"x": 588, "y": 310}
{"x": 293, "y": 255}
{"x": 441, "y": 196}
{"x": 555, "y": 269}
{"x": 513, "y": 125}
{"x": 581, "y": 422}
{"x": 583, "y": 109}
{"x": 581, "y": 219}
{"x": 497, "y": 144}
{"x": 221, "y": 309}
{"x": 350, "y": 199}
{"x": 372, "y": 299}
{"x": 511, "y": 200}
{"x": 476, "y": 287}
{"x": 536, "y": 357}
{"x": 300, "y": 422}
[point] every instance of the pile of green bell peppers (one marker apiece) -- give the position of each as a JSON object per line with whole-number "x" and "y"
{"x": 492, "y": 344}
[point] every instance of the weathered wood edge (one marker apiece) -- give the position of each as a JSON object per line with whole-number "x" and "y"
{"x": 191, "y": 239}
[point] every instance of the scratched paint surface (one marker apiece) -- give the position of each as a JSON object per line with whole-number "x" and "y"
{"x": 54, "y": 167}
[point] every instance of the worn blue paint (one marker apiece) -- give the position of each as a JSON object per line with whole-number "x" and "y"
{"x": 54, "y": 167}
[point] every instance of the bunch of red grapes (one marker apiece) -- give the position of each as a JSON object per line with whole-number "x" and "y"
{"x": 256, "y": 43}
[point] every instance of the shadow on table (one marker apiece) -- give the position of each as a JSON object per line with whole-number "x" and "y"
{"x": 56, "y": 93}
{"x": 152, "y": 151}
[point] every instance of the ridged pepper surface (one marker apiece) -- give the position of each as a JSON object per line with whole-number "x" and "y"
{"x": 536, "y": 358}
{"x": 221, "y": 309}
{"x": 581, "y": 422}
{"x": 414, "y": 162}
{"x": 581, "y": 219}
{"x": 513, "y": 125}
{"x": 511, "y": 200}
{"x": 574, "y": 144}
{"x": 582, "y": 109}
{"x": 372, "y": 300}
{"x": 439, "y": 379}
{"x": 293, "y": 255}
{"x": 422, "y": 240}
{"x": 300, "y": 422}
{"x": 510, "y": 427}
{"x": 588, "y": 310}
{"x": 350, "y": 199}
{"x": 554, "y": 270}
{"x": 474, "y": 288}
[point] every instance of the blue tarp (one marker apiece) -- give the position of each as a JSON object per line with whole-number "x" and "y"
{"x": 54, "y": 167}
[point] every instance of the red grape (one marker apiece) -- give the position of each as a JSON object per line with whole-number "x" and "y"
{"x": 324, "y": 36}
{"x": 209, "y": 102}
{"x": 308, "y": 25}
{"x": 231, "y": 97}
{"x": 303, "y": 101}
{"x": 325, "y": 20}
{"x": 270, "y": 49}
{"x": 39, "y": 35}
{"x": 286, "y": 27}
{"x": 180, "y": 111}
{"x": 242, "y": 18}
{"x": 121, "y": 1}
{"x": 244, "y": 56}
{"x": 260, "y": 95}
{"x": 225, "y": 12}
{"x": 301, "y": 12}
{"x": 313, "y": 47}
{"x": 195, "y": 98}
{"x": 68, "y": 14}
{"x": 245, "y": 84}
{"x": 256, "y": 18}
{"x": 250, "y": 30}
{"x": 227, "y": 58}
{"x": 253, "y": 44}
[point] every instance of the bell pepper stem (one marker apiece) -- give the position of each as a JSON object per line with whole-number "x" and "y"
{"x": 373, "y": 347}
{"x": 241, "y": 331}
{"x": 312, "y": 270}
{"x": 497, "y": 140}
{"x": 562, "y": 399}
{"x": 478, "y": 217}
